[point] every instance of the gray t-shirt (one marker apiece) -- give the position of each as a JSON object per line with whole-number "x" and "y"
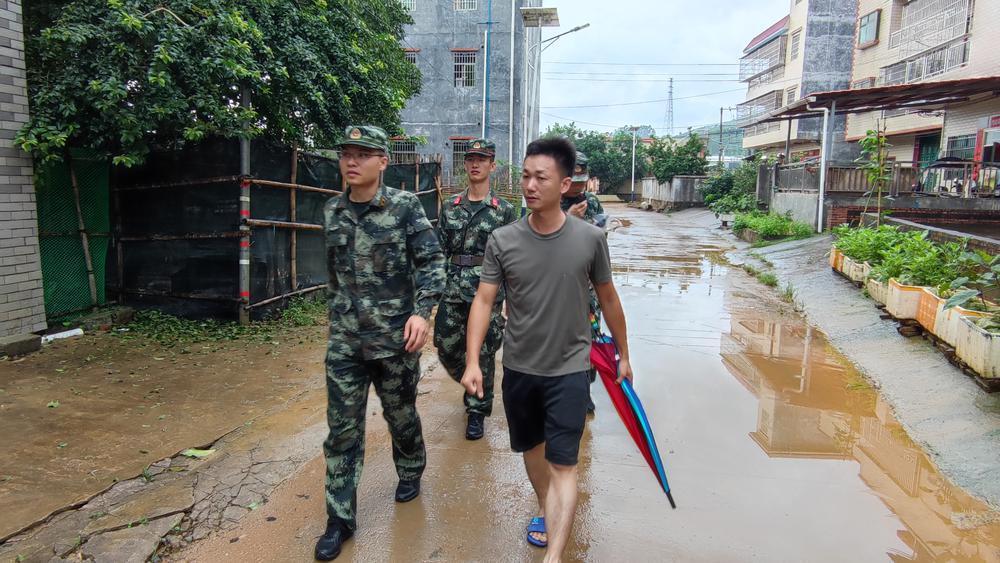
{"x": 548, "y": 279}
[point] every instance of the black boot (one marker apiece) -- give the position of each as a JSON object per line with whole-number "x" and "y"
{"x": 475, "y": 427}
{"x": 329, "y": 544}
{"x": 407, "y": 490}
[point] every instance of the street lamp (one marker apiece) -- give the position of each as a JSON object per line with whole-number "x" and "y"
{"x": 634, "y": 130}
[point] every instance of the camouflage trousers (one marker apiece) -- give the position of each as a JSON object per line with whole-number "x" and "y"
{"x": 395, "y": 380}
{"x": 449, "y": 338}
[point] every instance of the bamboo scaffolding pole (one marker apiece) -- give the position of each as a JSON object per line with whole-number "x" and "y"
{"x": 84, "y": 239}
{"x": 294, "y": 251}
{"x": 282, "y": 224}
{"x": 300, "y": 187}
{"x": 285, "y": 296}
{"x": 179, "y": 184}
{"x": 177, "y": 295}
{"x": 186, "y": 236}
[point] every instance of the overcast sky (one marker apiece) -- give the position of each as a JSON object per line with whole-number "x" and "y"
{"x": 625, "y": 32}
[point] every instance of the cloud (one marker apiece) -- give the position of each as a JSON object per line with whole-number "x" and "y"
{"x": 626, "y": 32}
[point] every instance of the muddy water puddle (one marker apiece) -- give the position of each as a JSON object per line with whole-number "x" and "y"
{"x": 777, "y": 447}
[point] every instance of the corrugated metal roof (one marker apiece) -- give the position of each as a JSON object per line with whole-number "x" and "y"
{"x": 926, "y": 95}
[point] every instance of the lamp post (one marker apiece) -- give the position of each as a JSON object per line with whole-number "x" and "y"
{"x": 634, "y": 130}
{"x": 532, "y": 17}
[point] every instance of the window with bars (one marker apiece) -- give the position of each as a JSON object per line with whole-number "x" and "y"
{"x": 466, "y": 5}
{"x": 409, "y": 4}
{"x": 790, "y": 95}
{"x": 458, "y": 149}
{"x": 796, "y": 39}
{"x": 465, "y": 69}
{"x": 411, "y": 57}
{"x": 403, "y": 151}
{"x": 863, "y": 83}
{"x": 868, "y": 28}
{"x": 962, "y": 146}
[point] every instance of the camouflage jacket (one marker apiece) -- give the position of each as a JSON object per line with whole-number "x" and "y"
{"x": 594, "y": 207}
{"x": 464, "y": 232}
{"x": 384, "y": 266}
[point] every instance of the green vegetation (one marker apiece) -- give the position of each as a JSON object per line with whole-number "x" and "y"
{"x": 732, "y": 191}
{"x": 158, "y": 75}
{"x": 170, "y": 330}
{"x": 912, "y": 258}
{"x": 772, "y": 226}
{"x": 768, "y": 279}
{"x": 668, "y": 158}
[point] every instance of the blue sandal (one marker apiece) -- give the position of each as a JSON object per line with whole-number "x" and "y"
{"x": 537, "y": 526}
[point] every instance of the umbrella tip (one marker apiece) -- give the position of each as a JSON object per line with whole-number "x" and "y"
{"x": 670, "y": 497}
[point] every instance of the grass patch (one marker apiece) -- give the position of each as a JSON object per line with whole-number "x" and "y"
{"x": 768, "y": 279}
{"x": 788, "y": 294}
{"x": 170, "y": 330}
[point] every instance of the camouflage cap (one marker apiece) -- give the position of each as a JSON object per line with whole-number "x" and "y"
{"x": 580, "y": 173}
{"x": 484, "y": 147}
{"x": 365, "y": 136}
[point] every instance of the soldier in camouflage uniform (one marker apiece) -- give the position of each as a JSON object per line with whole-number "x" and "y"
{"x": 585, "y": 205}
{"x": 466, "y": 223}
{"x": 386, "y": 274}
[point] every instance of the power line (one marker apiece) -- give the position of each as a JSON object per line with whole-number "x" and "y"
{"x": 617, "y": 127}
{"x": 640, "y": 80}
{"x": 637, "y": 64}
{"x": 705, "y": 95}
{"x": 666, "y": 74}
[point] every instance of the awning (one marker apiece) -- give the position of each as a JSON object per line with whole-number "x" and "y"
{"x": 924, "y": 95}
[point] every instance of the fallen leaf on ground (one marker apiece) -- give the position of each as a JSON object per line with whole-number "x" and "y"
{"x": 53, "y": 404}
{"x": 194, "y": 452}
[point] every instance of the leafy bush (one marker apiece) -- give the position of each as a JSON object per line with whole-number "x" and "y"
{"x": 867, "y": 245}
{"x": 910, "y": 257}
{"x": 771, "y": 226}
{"x": 732, "y": 191}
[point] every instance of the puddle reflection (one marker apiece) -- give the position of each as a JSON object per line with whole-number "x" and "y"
{"x": 812, "y": 405}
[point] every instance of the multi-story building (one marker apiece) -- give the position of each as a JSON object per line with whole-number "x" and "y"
{"x": 905, "y": 42}
{"x": 463, "y": 51}
{"x": 804, "y": 52}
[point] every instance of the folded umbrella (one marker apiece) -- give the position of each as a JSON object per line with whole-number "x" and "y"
{"x": 604, "y": 358}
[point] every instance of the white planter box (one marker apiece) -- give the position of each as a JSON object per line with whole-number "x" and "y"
{"x": 903, "y": 301}
{"x": 948, "y": 324}
{"x": 979, "y": 349}
{"x": 877, "y": 290}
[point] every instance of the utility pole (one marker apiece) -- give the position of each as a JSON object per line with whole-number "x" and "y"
{"x": 670, "y": 108}
{"x": 720, "y": 137}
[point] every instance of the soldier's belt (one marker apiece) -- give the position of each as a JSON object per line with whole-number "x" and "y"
{"x": 467, "y": 260}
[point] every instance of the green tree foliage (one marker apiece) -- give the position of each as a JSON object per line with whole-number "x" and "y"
{"x": 609, "y": 156}
{"x": 668, "y": 158}
{"x": 125, "y": 76}
{"x": 732, "y": 191}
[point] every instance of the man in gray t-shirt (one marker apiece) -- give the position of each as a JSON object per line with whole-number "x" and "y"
{"x": 547, "y": 262}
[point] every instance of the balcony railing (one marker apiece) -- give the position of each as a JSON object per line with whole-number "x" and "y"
{"x": 959, "y": 179}
{"x": 764, "y": 59}
{"x": 929, "y": 23}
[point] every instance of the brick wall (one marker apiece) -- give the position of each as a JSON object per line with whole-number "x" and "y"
{"x": 840, "y": 214}
{"x": 21, "y": 304}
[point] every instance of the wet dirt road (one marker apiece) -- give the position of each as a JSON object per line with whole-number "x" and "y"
{"x": 777, "y": 450}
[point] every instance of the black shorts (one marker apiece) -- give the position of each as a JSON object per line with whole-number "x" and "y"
{"x": 549, "y": 410}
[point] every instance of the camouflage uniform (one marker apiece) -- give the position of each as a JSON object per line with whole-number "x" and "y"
{"x": 464, "y": 233}
{"x": 385, "y": 265}
{"x": 590, "y": 215}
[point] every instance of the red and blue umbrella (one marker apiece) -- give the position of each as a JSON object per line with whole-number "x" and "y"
{"x": 604, "y": 358}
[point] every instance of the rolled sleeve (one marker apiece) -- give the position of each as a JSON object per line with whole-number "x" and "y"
{"x": 600, "y": 268}
{"x": 492, "y": 271}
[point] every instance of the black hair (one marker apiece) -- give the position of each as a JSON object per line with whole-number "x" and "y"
{"x": 560, "y": 149}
